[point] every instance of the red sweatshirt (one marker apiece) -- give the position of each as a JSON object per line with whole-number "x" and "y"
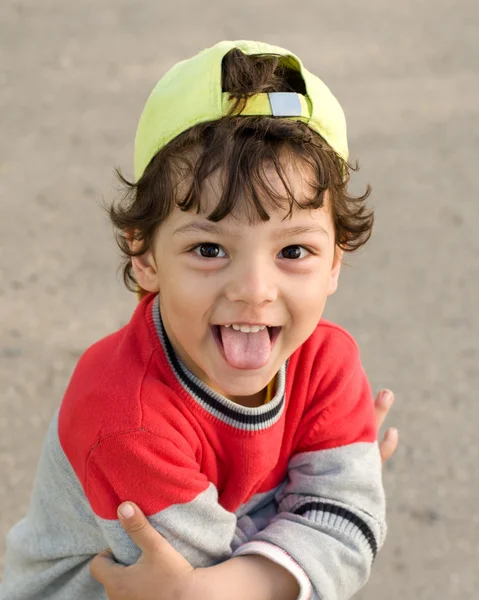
{"x": 297, "y": 480}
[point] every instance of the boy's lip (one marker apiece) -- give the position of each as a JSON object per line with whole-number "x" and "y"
{"x": 249, "y": 323}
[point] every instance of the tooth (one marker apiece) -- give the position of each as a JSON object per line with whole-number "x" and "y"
{"x": 247, "y": 328}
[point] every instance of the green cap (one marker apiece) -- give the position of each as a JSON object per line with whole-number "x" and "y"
{"x": 191, "y": 93}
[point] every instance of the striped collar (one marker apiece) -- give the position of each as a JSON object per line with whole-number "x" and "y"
{"x": 241, "y": 417}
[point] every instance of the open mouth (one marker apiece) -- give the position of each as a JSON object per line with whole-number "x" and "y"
{"x": 273, "y": 333}
{"x": 247, "y": 350}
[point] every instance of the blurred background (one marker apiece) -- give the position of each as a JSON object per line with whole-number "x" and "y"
{"x": 73, "y": 80}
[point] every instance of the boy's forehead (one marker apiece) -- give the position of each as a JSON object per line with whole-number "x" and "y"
{"x": 180, "y": 223}
{"x": 244, "y": 214}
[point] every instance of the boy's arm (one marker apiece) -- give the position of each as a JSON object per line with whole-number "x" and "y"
{"x": 331, "y": 508}
{"x": 143, "y": 583}
{"x": 162, "y": 475}
{"x": 183, "y": 506}
{"x": 162, "y": 573}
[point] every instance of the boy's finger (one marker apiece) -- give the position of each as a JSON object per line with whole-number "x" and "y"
{"x": 389, "y": 444}
{"x": 104, "y": 569}
{"x": 141, "y": 532}
{"x": 383, "y": 403}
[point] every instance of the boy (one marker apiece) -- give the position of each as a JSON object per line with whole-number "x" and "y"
{"x": 240, "y": 422}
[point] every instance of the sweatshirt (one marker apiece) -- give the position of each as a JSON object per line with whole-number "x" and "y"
{"x": 297, "y": 480}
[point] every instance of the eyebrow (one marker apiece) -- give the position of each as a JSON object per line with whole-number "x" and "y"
{"x": 291, "y": 231}
{"x": 197, "y": 226}
{"x": 202, "y": 227}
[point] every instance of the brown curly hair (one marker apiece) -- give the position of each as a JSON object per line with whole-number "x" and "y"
{"x": 240, "y": 147}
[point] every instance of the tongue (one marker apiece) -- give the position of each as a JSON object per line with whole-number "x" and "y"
{"x": 246, "y": 350}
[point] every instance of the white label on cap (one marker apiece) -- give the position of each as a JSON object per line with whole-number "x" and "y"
{"x": 285, "y": 104}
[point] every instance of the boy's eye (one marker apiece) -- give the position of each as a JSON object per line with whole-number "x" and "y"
{"x": 294, "y": 252}
{"x": 209, "y": 251}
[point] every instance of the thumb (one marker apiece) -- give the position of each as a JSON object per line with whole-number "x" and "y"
{"x": 141, "y": 532}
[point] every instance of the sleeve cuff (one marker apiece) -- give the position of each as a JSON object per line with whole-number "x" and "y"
{"x": 282, "y": 558}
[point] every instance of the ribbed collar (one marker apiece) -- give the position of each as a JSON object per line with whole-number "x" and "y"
{"x": 241, "y": 417}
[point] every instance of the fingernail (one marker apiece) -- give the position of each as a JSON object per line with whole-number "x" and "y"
{"x": 126, "y": 510}
{"x": 387, "y": 395}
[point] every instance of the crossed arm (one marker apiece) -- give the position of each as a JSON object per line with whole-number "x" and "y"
{"x": 162, "y": 573}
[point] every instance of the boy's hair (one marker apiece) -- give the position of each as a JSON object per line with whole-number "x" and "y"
{"x": 240, "y": 147}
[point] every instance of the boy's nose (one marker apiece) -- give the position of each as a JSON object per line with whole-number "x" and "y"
{"x": 253, "y": 284}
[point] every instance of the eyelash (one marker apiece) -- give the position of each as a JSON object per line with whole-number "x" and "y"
{"x": 218, "y": 245}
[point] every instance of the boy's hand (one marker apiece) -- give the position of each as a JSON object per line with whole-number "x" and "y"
{"x": 161, "y": 572}
{"x": 388, "y": 445}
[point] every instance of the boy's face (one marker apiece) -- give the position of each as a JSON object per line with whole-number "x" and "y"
{"x": 210, "y": 276}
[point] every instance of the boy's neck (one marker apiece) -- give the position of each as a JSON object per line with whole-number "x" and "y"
{"x": 251, "y": 401}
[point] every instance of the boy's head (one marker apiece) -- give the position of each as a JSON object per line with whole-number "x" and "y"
{"x": 240, "y": 212}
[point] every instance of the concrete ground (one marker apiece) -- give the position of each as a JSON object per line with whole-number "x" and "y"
{"x": 73, "y": 78}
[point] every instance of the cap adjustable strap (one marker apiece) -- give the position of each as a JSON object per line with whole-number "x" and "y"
{"x": 276, "y": 104}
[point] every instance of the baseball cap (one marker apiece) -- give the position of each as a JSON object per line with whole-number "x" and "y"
{"x": 191, "y": 93}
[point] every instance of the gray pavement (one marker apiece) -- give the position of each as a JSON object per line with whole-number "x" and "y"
{"x": 73, "y": 78}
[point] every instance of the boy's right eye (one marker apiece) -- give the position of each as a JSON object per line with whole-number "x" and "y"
{"x": 209, "y": 251}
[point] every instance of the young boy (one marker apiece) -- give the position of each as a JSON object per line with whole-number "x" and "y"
{"x": 240, "y": 422}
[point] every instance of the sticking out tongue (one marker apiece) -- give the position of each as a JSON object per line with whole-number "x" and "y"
{"x": 246, "y": 350}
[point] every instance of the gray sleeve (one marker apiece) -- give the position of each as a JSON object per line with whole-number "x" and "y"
{"x": 201, "y": 530}
{"x": 48, "y": 552}
{"x": 255, "y": 518}
{"x": 170, "y": 488}
{"x": 330, "y": 522}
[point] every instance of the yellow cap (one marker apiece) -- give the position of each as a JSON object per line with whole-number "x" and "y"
{"x": 191, "y": 93}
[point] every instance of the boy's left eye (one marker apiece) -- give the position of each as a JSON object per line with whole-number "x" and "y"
{"x": 294, "y": 252}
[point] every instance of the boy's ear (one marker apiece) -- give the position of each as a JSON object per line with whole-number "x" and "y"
{"x": 335, "y": 270}
{"x": 145, "y": 271}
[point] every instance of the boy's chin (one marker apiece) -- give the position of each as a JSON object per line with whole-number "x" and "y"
{"x": 245, "y": 387}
